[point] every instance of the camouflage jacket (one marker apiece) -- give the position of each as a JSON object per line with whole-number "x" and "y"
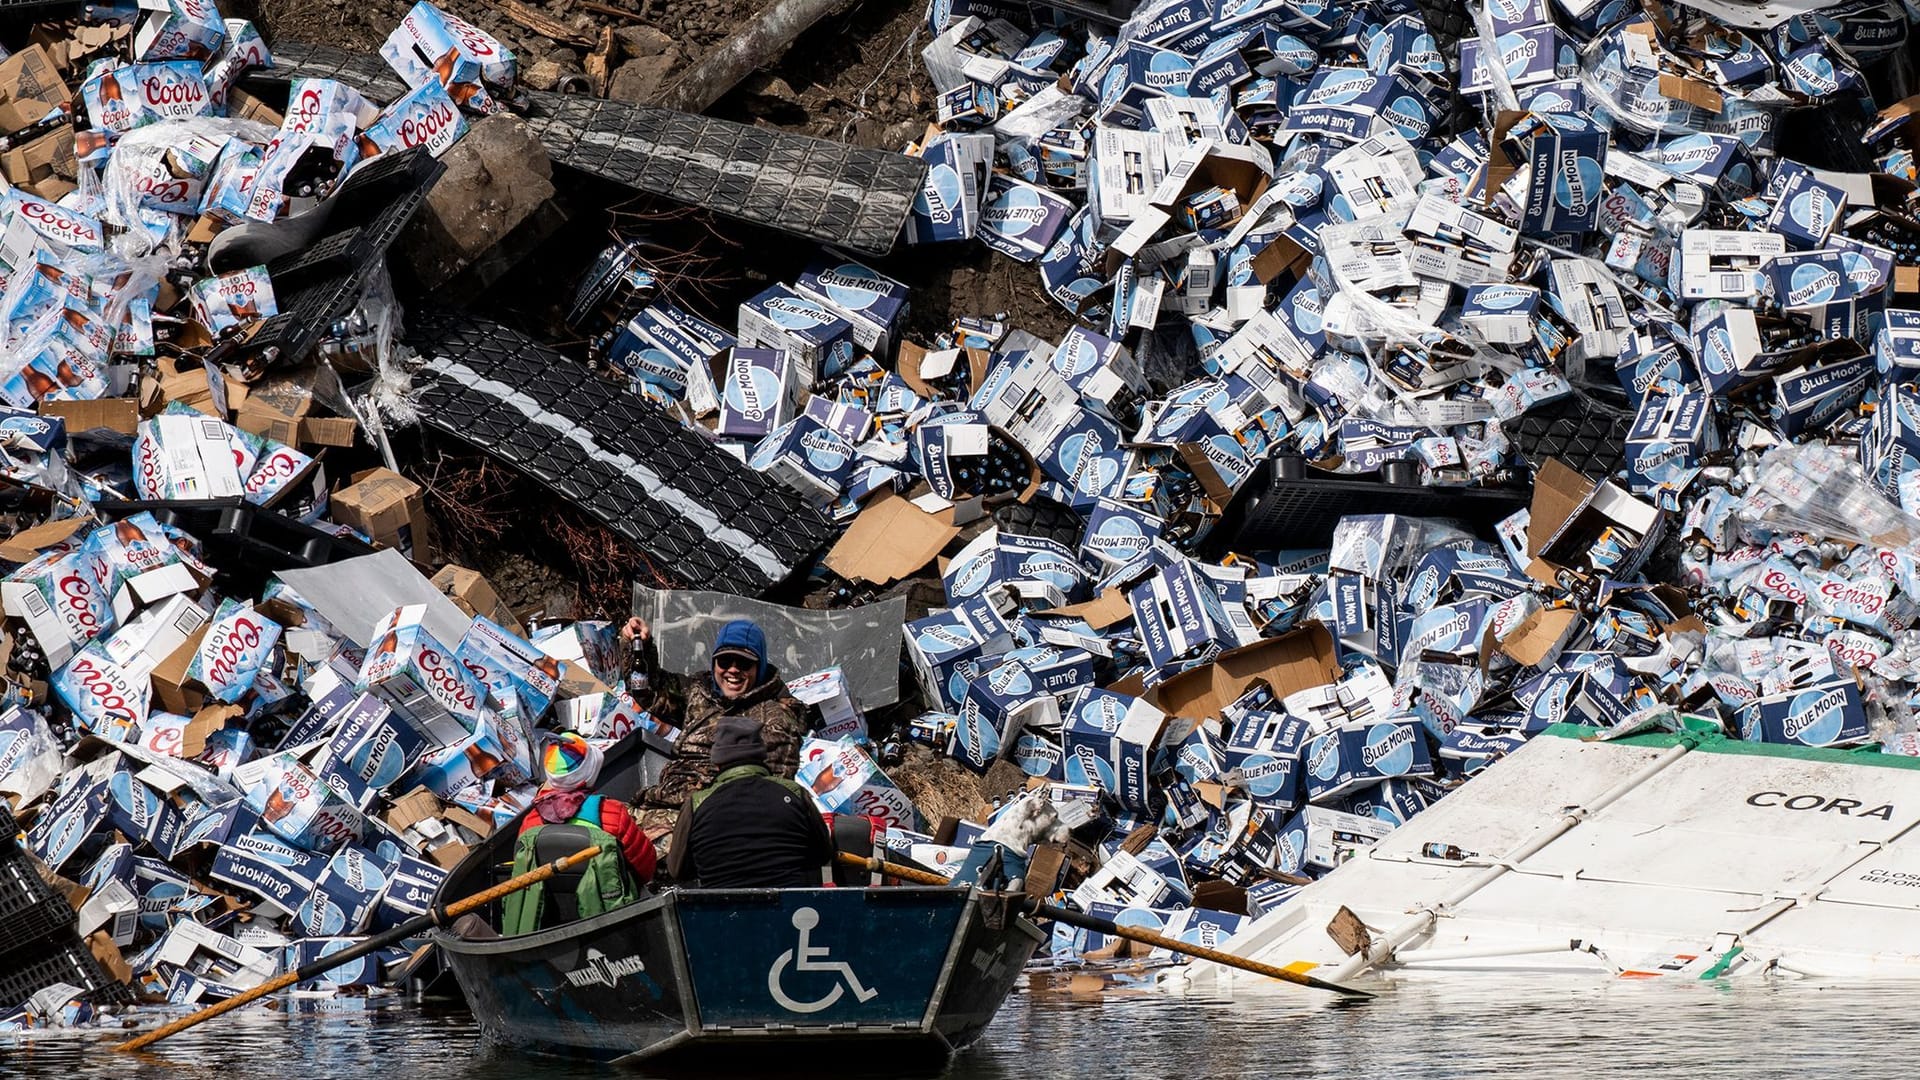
{"x": 782, "y": 724}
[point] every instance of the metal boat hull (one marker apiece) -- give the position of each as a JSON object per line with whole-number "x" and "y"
{"x": 749, "y": 977}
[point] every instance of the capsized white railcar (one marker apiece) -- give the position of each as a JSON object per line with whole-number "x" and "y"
{"x": 1660, "y": 854}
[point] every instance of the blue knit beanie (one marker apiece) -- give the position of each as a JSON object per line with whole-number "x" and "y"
{"x": 743, "y": 635}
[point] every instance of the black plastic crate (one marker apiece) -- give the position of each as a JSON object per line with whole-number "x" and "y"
{"x": 21, "y": 978}
{"x": 320, "y": 283}
{"x": 1587, "y": 436}
{"x": 32, "y": 913}
{"x": 242, "y": 538}
{"x": 1042, "y": 517}
{"x": 1288, "y": 504}
{"x": 700, "y": 515}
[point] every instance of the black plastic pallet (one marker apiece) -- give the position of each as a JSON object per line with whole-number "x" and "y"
{"x": 320, "y": 283}
{"x": 73, "y": 964}
{"x": 849, "y": 196}
{"x": 32, "y": 913}
{"x": 1287, "y": 504}
{"x": 1587, "y": 436}
{"x": 242, "y": 538}
{"x": 701, "y": 515}
{"x": 1044, "y": 518}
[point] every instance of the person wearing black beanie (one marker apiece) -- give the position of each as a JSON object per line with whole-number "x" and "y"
{"x": 750, "y": 829}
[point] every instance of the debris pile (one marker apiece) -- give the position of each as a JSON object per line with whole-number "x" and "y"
{"x": 1342, "y": 234}
{"x": 1272, "y": 548}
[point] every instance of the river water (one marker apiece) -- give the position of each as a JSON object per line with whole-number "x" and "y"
{"x": 1417, "y": 1029}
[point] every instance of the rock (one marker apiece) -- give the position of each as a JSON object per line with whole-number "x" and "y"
{"x": 640, "y": 81}
{"x": 497, "y": 177}
{"x": 641, "y": 42}
{"x": 543, "y": 75}
{"x": 902, "y": 133}
{"x": 771, "y": 86}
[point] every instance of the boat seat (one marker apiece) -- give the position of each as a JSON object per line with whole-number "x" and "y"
{"x": 560, "y": 903}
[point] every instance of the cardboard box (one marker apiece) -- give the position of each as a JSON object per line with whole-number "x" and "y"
{"x": 1300, "y": 660}
{"x": 872, "y": 303}
{"x": 891, "y": 539}
{"x": 390, "y": 509}
{"x": 474, "y": 594}
{"x": 758, "y": 390}
{"x": 948, "y": 206}
{"x": 1670, "y": 434}
{"x": 1177, "y": 614}
{"x": 1570, "y": 512}
{"x": 30, "y": 88}
{"x": 420, "y": 678}
{"x": 818, "y": 340}
{"x": 1829, "y": 714}
{"x": 1721, "y": 264}
{"x": 1263, "y": 757}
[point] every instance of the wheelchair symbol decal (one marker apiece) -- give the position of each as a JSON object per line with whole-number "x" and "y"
{"x": 804, "y": 957}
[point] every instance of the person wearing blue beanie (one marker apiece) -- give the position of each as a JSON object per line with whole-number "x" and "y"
{"x": 741, "y": 681}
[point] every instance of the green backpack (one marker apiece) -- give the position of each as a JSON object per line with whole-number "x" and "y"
{"x": 604, "y": 883}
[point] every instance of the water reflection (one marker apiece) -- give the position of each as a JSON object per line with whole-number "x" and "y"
{"x": 1063, "y": 1028}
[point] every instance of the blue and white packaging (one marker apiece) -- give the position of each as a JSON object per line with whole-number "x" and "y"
{"x": 1178, "y": 615}
{"x": 872, "y": 303}
{"x": 819, "y": 341}
{"x": 1530, "y": 56}
{"x": 1263, "y": 757}
{"x": 938, "y": 645}
{"x": 1670, "y": 436}
{"x": 1118, "y": 532}
{"x": 948, "y": 206}
{"x": 759, "y": 390}
{"x": 1807, "y": 280}
{"x": 1829, "y": 714}
{"x": 808, "y": 457}
{"x": 1565, "y": 187}
{"x": 370, "y": 750}
{"x": 1090, "y": 719}
{"x": 1021, "y": 220}
{"x": 1805, "y": 210}
{"x": 1501, "y": 313}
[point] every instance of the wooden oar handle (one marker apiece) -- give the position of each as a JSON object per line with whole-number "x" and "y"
{"x": 881, "y": 866}
{"x": 1107, "y": 926}
{"x": 438, "y": 916}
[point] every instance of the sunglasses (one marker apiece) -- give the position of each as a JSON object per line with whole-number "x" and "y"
{"x": 735, "y": 663}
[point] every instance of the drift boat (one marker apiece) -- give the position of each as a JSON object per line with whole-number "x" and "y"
{"x": 752, "y": 977}
{"x": 737, "y": 978}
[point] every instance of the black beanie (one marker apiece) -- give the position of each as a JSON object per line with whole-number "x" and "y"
{"x": 737, "y": 741}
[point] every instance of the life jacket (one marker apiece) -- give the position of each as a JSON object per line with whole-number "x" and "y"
{"x": 599, "y": 885}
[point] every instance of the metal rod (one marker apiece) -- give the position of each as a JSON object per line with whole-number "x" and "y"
{"x": 1107, "y": 926}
